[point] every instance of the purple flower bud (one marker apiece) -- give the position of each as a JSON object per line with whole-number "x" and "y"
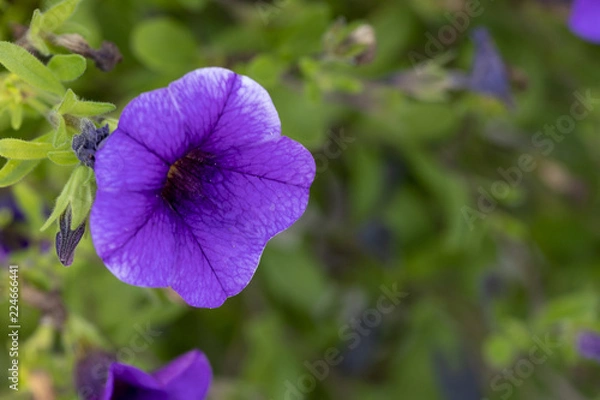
{"x": 90, "y": 139}
{"x": 67, "y": 239}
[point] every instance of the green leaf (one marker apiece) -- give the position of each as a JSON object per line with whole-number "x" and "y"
{"x": 301, "y": 283}
{"x": 164, "y": 45}
{"x": 63, "y": 158}
{"x": 67, "y": 103}
{"x": 76, "y": 192}
{"x": 71, "y": 105}
{"x": 67, "y": 67}
{"x": 60, "y": 135}
{"x": 15, "y": 170}
{"x": 17, "y": 149}
{"x": 20, "y": 62}
{"x": 81, "y": 203}
{"x": 91, "y": 108}
{"x": 16, "y": 116}
{"x": 266, "y": 69}
{"x": 54, "y": 17}
{"x": 498, "y": 351}
{"x": 34, "y": 34}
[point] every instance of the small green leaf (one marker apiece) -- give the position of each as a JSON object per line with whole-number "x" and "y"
{"x": 67, "y": 67}
{"x": 91, "y": 108}
{"x": 78, "y": 108}
{"x": 63, "y": 158}
{"x": 15, "y": 170}
{"x": 34, "y": 34}
{"x": 16, "y": 116}
{"x": 77, "y": 192}
{"x": 20, "y": 62}
{"x": 164, "y": 45}
{"x": 67, "y": 103}
{"x": 17, "y": 149}
{"x": 60, "y": 135}
{"x": 54, "y": 17}
{"x": 82, "y": 200}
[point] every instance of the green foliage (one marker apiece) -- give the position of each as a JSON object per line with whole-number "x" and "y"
{"x": 154, "y": 39}
{"x": 23, "y": 150}
{"x": 67, "y": 67}
{"x": 57, "y": 15}
{"x": 77, "y": 194}
{"x": 71, "y": 105}
{"x": 15, "y": 170}
{"x": 396, "y": 165}
{"x": 20, "y": 62}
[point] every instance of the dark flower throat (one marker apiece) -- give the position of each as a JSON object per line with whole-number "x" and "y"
{"x": 186, "y": 177}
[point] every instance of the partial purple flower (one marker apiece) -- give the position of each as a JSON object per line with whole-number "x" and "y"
{"x": 585, "y": 20}
{"x": 206, "y": 180}
{"x": 99, "y": 377}
{"x": 489, "y": 74}
{"x": 11, "y": 237}
{"x": 588, "y": 345}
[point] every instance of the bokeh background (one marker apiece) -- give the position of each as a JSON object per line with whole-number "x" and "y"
{"x": 495, "y": 277}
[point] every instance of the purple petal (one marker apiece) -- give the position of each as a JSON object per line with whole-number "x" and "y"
{"x": 585, "y": 19}
{"x": 588, "y": 345}
{"x": 154, "y": 122}
{"x": 133, "y": 234}
{"x": 236, "y": 111}
{"x": 91, "y": 374}
{"x": 489, "y": 74}
{"x": 187, "y": 377}
{"x": 126, "y": 165}
{"x": 129, "y": 383}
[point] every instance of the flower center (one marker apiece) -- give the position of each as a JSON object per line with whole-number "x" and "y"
{"x": 186, "y": 178}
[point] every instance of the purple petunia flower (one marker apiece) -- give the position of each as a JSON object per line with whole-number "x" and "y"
{"x": 588, "y": 345}
{"x": 193, "y": 183}
{"x": 188, "y": 377}
{"x": 585, "y": 20}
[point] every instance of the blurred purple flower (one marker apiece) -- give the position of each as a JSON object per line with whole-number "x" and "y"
{"x": 489, "y": 74}
{"x": 588, "y": 345}
{"x": 188, "y": 377}
{"x": 585, "y": 20}
{"x": 207, "y": 180}
{"x": 11, "y": 238}
{"x": 456, "y": 376}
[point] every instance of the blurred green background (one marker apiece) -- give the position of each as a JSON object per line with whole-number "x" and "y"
{"x": 494, "y": 287}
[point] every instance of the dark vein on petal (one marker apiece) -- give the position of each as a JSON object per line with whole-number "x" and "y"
{"x": 137, "y": 230}
{"x": 261, "y": 177}
{"x": 229, "y": 92}
{"x": 189, "y": 228}
{"x": 146, "y": 147}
